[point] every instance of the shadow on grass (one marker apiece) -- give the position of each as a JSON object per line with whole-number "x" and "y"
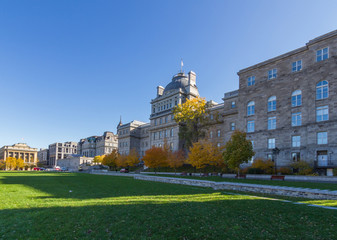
{"x": 220, "y": 219}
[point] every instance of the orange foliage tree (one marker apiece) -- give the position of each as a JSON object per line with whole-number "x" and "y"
{"x": 175, "y": 159}
{"x": 155, "y": 157}
{"x": 110, "y": 159}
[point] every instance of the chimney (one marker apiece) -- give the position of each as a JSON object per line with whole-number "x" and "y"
{"x": 160, "y": 91}
{"x": 192, "y": 78}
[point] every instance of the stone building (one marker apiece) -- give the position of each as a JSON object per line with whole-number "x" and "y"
{"x": 60, "y": 150}
{"x": 19, "y": 150}
{"x": 287, "y": 105}
{"x": 97, "y": 145}
{"x": 43, "y": 156}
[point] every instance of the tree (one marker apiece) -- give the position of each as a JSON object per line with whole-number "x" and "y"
{"x": 98, "y": 159}
{"x": 2, "y": 164}
{"x": 121, "y": 161}
{"x": 155, "y": 157}
{"x": 175, "y": 159}
{"x": 10, "y": 163}
{"x": 192, "y": 119}
{"x": 205, "y": 153}
{"x": 238, "y": 150}
{"x": 20, "y": 164}
{"x": 110, "y": 159}
{"x": 133, "y": 158}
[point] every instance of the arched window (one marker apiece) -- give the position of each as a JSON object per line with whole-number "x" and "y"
{"x": 322, "y": 90}
{"x": 296, "y": 98}
{"x": 251, "y": 108}
{"x": 272, "y": 104}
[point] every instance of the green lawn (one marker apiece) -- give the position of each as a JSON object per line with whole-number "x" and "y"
{"x": 82, "y": 206}
{"x": 313, "y": 185}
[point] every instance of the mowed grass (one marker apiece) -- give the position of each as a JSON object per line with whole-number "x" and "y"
{"x": 82, "y": 206}
{"x": 312, "y": 185}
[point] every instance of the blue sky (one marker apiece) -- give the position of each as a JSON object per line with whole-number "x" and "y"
{"x": 69, "y": 69}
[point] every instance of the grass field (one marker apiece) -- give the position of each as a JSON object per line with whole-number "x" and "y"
{"x": 81, "y": 206}
{"x": 313, "y": 185}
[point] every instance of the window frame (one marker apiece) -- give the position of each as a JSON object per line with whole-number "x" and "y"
{"x": 320, "y": 86}
{"x": 296, "y": 66}
{"x": 272, "y": 123}
{"x": 296, "y": 98}
{"x": 251, "y": 126}
{"x": 292, "y": 120}
{"x": 322, "y": 54}
{"x": 272, "y": 73}
{"x": 251, "y": 81}
{"x": 320, "y": 140}
{"x": 251, "y": 108}
{"x": 322, "y": 110}
{"x": 272, "y": 104}
{"x": 296, "y": 141}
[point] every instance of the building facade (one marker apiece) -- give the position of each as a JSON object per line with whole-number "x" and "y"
{"x": 287, "y": 105}
{"x": 43, "y": 156}
{"x": 61, "y": 150}
{"x": 97, "y": 145}
{"x": 19, "y": 150}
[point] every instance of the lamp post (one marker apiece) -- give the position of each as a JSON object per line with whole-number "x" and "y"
{"x": 276, "y": 151}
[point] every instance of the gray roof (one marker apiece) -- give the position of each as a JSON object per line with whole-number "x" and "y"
{"x": 178, "y": 81}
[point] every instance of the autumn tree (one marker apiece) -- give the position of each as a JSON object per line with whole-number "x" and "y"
{"x": 175, "y": 159}
{"x": 192, "y": 119}
{"x": 10, "y": 163}
{"x": 20, "y": 164}
{"x": 110, "y": 159}
{"x": 155, "y": 157}
{"x": 2, "y": 164}
{"x": 98, "y": 159}
{"x": 205, "y": 153}
{"x": 238, "y": 150}
{"x": 121, "y": 160}
{"x": 132, "y": 158}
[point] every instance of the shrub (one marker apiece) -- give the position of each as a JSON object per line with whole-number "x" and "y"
{"x": 267, "y": 166}
{"x": 303, "y": 167}
{"x": 252, "y": 170}
{"x": 284, "y": 170}
{"x": 335, "y": 171}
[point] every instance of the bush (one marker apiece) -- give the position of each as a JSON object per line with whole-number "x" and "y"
{"x": 303, "y": 167}
{"x": 267, "y": 166}
{"x": 284, "y": 170}
{"x": 335, "y": 171}
{"x": 255, "y": 171}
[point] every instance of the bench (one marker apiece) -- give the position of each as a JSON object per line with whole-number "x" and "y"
{"x": 214, "y": 174}
{"x": 204, "y": 175}
{"x": 240, "y": 176}
{"x": 277, "y": 177}
{"x": 183, "y": 174}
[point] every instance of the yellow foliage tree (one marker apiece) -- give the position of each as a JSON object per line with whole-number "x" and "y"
{"x": 110, "y": 159}
{"x": 133, "y": 158}
{"x": 98, "y": 159}
{"x": 122, "y": 161}
{"x": 2, "y": 165}
{"x": 10, "y": 163}
{"x": 155, "y": 157}
{"x": 192, "y": 119}
{"x": 20, "y": 164}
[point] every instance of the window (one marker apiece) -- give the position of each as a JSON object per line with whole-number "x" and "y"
{"x": 296, "y": 156}
{"x": 232, "y": 126}
{"x": 322, "y": 113}
{"x": 271, "y": 143}
{"x": 219, "y": 133}
{"x": 296, "y": 98}
{"x": 171, "y": 145}
{"x": 296, "y": 141}
{"x": 322, "y": 90}
{"x": 211, "y": 117}
{"x": 272, "y": 73}
{"x": 250, "y": 126}
{"x": 252, "y": 143}
{"x": 166, "y": 133}
{"x": 322, "y": 138}
{"x": 211, "y": 134}
{"x": 171, "y": 132}
{"x": 155, "y": 122}
{"x": 272, "y": 104}
{"x": 233, "y": 105}
{"x": 297, "y": 66}
{"x": 251, "y": 81}
{"x": 160, "y": 121}
{"x": 271, "y": 123}
{"x": 166, "y": 119}
{"x": 296, "y": 119}
{"x": 322, "y": 54}
{"x": 251, "y": 108}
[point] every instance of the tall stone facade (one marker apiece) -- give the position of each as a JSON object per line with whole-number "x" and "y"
{"x": 97, "y": 145}
{"x": 59, "y": 151}
{"x": 19, "y": 150}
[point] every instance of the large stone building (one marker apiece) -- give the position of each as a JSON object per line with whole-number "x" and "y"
{"x": 59, "y": 151}
{"x": 287, "y": 105}
{"x": 97, "y": 145}
{"x": 43, "y": 156}
{"x": 19, "y": 150}
{"x": 162, "y": 127}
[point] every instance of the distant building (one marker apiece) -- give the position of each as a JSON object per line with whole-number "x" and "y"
{"x": 97, "y": 145}
{"x": 43, "y": 156}
{"x": 61, "y": 150}
{"x": 74, "y": 163}
{"x": 19, "y": 150}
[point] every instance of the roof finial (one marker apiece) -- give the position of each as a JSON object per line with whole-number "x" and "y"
{"x": 181, "y": 65}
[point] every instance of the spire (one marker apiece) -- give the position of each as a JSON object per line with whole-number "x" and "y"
{"x": 120, "y": 121}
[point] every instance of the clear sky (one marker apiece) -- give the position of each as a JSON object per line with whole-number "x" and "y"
{"x": 69, "y": 69}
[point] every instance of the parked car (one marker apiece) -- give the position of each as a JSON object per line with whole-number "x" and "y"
{"x": 124, "y": 170}
{"x": 37, "y": 169}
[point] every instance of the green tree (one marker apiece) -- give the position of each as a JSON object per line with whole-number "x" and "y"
{"x": 238, "y": 150}
{"x": 192, "y": 119}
